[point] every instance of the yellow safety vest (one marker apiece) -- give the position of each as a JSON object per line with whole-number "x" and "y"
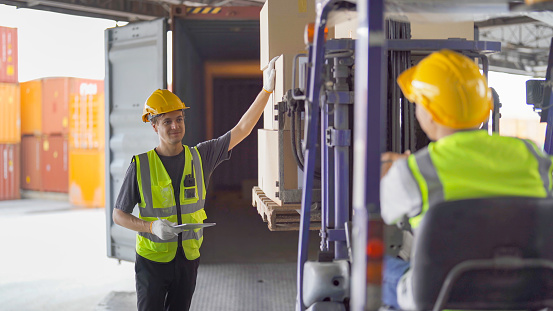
{"x": 474, "y": 164}
{"x": 157, "y": 200}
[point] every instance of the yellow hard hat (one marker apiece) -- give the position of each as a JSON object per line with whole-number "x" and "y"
{"x": 450, "y": 87}
{"x": 161, "y": 101}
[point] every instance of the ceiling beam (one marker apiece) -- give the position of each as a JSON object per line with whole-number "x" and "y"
{"x": 504, "y": 21}
{"x": 119, "y": 10}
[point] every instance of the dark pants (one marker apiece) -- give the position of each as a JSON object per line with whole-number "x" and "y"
{"x": 165, "y": 286}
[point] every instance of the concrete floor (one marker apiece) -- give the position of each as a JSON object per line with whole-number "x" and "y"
{"x": 54, "y": 258}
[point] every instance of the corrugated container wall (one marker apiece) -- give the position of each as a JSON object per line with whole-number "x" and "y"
{"x": 86, "y": 177}
{"x": 86, "y": 143}
{"x": 237, "y": 94}
{"x": 86, "y": 114}
{"x": 54, "y": 163}
{"x": 55, "y": 106}
{"x": 8, "y": 55}
{"x": 45, "y": 109}
{"x": 31, "y": 107}
{"x": 31, "y": 147}
{"x": 9, "y": 172}
{"x": 10, "y": 118}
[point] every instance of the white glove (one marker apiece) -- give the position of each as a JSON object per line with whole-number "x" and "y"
{"x": 163, "y": 229}
{"x": 269, "y": 76}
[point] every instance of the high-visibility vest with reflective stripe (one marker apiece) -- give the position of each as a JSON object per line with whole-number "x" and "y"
{"x": 474, "y": 164}
{"x": 157, "y": 200}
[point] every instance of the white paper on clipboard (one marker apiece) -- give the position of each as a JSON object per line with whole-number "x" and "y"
{"x": 194, "y": 226}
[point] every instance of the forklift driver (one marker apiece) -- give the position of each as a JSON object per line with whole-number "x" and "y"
{"x": 452, "y": 101}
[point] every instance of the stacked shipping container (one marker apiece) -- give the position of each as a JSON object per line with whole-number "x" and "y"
{"x": 44, "y": 107}
{"x": 8, "y": 55}
{"x": 10, "y": 118}
{"x": 60, "y": 117}
{"x": 31, "y": 146}
{"x": 31, "y": 135}
{"x": 86, "y": 144}
{"x": 51, "y": 132}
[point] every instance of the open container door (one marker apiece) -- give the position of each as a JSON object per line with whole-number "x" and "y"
{"x": 136, "y": 65}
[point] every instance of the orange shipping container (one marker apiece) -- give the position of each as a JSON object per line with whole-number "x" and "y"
{"x": 8, "y": 55}
{"x": 55, "y": 106}
{"x": 10, "y": 118}
{"x": 86, "y": 177}
{"x": 31, "y": 147}
{"x": 86, "y": 114}
{"x": 54, "y": 163}
{"x": 9, "y": 172}
{"x": 31, "y": 107}
{"x": 45, "y": 103}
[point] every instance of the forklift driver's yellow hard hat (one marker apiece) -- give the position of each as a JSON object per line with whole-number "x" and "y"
{"x": 161, "y": 101}
{"x": 451, "y": 88}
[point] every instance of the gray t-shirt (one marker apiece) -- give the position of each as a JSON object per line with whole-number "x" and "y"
{"x": 212, "y": 152}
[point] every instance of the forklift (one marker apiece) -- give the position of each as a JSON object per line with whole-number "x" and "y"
{"x": 354, "y": 111}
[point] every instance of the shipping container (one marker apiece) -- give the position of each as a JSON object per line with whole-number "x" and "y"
{"x": 57, "y": 93}
{"x": 86, "y": 114}
{"x": 198, "y": 40}
{"x": 10, "y": 118}
{"x": 237, "y": 94}
{"x": 45, "y": 105}
{"x": 31, "y": 147}
{"x": 8, "y": 55}
{"x": 31, "y": 107}
{"x": 231, "y": 81}
{"x": 54, "y": 168}
{"x": 86, "y": 177}
{"x": 55, "y": 106}
{"x": 9, "y": 172}
{"x": 137, "y": 51}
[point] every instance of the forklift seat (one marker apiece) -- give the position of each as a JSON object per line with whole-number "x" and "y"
{"x": 492, "y": 253}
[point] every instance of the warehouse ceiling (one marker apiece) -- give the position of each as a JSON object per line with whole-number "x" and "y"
{"x": 525, "y": 31}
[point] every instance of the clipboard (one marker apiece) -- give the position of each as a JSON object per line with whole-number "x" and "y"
{"x": 194, "y": 226}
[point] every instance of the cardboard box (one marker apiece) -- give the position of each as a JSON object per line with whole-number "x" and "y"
{"x": 443, "y": 30}
{"x": 282, "y": 25}
{"x": 346, "y": 25}
{"x": 271, "y": 118}
{"x": 270, "y": 114}
{"x": 277, "y": 172}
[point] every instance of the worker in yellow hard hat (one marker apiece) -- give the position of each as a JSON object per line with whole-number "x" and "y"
{"x": 452, "y": 101}
{"x": 169, "y": 185}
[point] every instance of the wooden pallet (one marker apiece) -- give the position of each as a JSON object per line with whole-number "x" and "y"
{"x": 281, "y": 217}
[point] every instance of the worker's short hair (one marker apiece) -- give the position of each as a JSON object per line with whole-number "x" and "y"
{"x": 153, "y": 119}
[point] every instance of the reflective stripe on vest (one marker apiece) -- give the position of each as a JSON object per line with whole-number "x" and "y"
{"x": 158, "y": 201}
{"x": 497, "y": 166}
